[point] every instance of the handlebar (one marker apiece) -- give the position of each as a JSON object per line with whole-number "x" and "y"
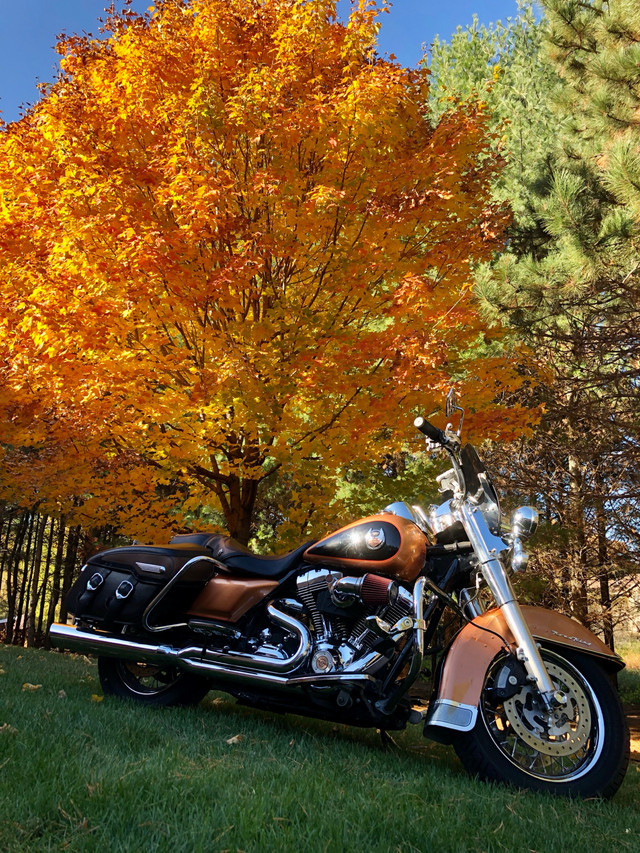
{"x": 432, "y": 432}
{"x": 437, "y": 436}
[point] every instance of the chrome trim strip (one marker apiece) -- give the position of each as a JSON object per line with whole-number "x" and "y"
{"x": 448, "y": 714}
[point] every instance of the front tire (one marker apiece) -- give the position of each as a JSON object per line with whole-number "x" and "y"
{"x": 150, "y": 684}
{"x": 579, "y": 750}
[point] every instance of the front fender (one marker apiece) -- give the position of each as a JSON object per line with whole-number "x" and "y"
{"x": 455, "y": 705}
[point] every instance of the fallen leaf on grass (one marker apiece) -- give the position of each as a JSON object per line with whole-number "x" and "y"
{"x": 96, "y": 698}
{"x": 62, "y": 694}
{"x": 3, "y": 671}
{"x": 6, "y": 729}
{"x": 28, "y": 686}
{"x": 235, "y": 739}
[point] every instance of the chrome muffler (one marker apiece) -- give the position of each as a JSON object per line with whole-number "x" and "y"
{"x": 234, "y": 667}
{"x": 190, "y": 657}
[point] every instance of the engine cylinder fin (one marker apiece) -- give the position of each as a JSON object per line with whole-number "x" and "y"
{"x": 393, "y": 613}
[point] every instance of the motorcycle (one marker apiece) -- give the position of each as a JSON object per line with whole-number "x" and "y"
{"x": 342, "y": 628}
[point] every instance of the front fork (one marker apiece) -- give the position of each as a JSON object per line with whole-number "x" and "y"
{"x": 487, "y": 547}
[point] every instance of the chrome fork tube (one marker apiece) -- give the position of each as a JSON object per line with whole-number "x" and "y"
{"x": 487, "y": 547}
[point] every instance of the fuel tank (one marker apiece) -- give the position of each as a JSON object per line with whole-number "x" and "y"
{"x": 383, "y": 544}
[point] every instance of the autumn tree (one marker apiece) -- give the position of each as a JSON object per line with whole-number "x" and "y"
{"x": 232, "y": 242}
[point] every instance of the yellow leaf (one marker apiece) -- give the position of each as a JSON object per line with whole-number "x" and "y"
{"x": 28, "y": 686}
{"x": 234, "y": 739}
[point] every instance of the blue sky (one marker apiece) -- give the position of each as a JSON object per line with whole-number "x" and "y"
{"x": 28, "y": 31}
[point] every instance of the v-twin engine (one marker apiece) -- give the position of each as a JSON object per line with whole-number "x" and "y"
{"x": 350, "y": 615}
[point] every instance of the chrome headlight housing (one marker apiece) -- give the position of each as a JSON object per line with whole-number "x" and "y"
{"x": 524, "y": 521}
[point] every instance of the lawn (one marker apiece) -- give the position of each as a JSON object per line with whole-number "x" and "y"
{"x": 80, "y": 773}
{"x": 629, "y": 678}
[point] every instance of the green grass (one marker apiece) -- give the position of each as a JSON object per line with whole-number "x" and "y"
{"x": 629, "y": 678}
{"x": 81, "y": 775}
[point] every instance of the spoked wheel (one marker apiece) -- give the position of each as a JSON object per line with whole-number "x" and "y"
{"x": 150, "y": 684}
{"x": 580, "y": 749}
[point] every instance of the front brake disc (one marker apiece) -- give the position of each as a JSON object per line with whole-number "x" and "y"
{"x": 563, "y": 731}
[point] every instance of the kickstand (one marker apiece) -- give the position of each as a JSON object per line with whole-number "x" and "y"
{"x": 387, "y": 740}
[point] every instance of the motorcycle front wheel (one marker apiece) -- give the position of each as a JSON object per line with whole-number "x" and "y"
{"x": 150, "y": 684}
{"x": 580, "y": 749}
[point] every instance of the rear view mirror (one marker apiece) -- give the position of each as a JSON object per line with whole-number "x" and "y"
{"x": 452, "y": 402}
{"x": 453, "y": 406}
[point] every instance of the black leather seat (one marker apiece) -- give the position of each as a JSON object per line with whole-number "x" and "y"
{"x": 238, "y": 559}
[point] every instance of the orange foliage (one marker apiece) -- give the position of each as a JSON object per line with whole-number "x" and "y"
{"x": 231, "y": 240}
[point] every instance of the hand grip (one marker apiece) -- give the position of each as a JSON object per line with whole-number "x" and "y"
{"x": 432, "y": 432}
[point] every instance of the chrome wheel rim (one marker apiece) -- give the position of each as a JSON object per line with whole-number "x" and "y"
{"x": 555, "y": 747}
{"x": 146, "y": 679}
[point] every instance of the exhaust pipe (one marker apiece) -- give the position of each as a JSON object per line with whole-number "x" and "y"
{"x": 78, "y": 640}
{"x": 195, "y": 659}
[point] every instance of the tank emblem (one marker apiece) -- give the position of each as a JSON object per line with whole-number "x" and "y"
{"x": 375, "y": 538}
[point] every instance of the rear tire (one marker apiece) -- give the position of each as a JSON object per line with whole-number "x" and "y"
{"x": 581, "y": 750}
{"x": 150, "y": 684}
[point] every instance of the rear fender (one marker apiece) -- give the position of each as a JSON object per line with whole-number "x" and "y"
{"x": 462, "y": 674}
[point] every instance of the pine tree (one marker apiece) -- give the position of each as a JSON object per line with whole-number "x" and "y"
{"x": 569, "y": 286}
{"x": 505, "y": 65}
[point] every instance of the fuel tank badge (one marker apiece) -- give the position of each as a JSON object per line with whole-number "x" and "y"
{"x": 375, "y": 538}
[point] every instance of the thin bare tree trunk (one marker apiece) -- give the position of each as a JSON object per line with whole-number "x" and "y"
{"x": 57, "y": 574}
{"x": 13, "y": 567}
{"x": 44, "y": 587}
{"x": 71, "y": 556}
{"x": 30, "y": 627}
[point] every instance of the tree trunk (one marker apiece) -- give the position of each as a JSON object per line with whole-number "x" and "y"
{"x": 45, "y": 580}
{"x": 579, "y": 601}
{"x": 603, "y": 571}
{"x": 27, "y": 573}
{"x": 30, "y": 627}
{"x": 13, "y": 568}
{"x": 73, "y": 540}
{"x": 57, "y": 573}
{"x": 242, "y": 498}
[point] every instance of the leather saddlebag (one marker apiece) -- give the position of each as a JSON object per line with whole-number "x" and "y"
{"x": 116, "y": 587}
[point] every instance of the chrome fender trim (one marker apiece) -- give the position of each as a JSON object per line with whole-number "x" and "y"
{"x": 451, "y": 715}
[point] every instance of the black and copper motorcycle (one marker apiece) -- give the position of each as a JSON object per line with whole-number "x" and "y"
{"x": 342, "y": 628}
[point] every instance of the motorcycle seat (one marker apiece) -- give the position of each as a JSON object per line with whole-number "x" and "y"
{"x": 240, "y": 560}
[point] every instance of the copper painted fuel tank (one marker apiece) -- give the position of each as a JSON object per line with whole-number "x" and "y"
{"x": 383, "y": 544}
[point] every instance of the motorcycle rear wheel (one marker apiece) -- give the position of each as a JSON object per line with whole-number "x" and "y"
{"x": 150, "y": 684}
{"x": 580, "y": 750}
